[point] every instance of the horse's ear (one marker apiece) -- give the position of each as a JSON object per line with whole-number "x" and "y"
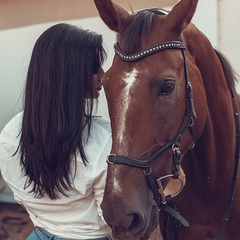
{"x": 113, "y": 15}
{"x": 181, "y": 15}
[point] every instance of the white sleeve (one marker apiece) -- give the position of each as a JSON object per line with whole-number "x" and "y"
{"x": 100, "y": 181}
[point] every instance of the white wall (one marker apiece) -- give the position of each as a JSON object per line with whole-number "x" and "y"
{"x": 206, "y": 19}
{"x": 229, "y": 32}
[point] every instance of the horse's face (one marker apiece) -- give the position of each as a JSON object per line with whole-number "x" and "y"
{"x": 147, "y": 107}
{"x": 147, "y": 102}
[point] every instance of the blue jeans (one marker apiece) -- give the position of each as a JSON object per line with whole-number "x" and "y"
{"x": 41, "y": 234}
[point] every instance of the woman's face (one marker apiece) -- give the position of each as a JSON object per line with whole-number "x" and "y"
{"x": 97, "y": 83}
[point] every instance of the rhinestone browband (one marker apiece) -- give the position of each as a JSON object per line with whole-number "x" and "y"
{"x": 148, "y": 51}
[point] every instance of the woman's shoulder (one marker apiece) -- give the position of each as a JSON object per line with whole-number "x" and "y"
{"x": 99, "y": 122}
{"x": 99, "y": 140}
{"x": 11, "y": 132}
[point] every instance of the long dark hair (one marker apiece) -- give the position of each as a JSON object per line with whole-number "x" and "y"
{"x": 58, "y": 106}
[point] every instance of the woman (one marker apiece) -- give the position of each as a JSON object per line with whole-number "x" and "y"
{"x": 52, "y": 155}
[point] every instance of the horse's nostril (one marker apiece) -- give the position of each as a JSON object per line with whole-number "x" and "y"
{"x": 136, "y": 223}
{"x": 131, "y": 225}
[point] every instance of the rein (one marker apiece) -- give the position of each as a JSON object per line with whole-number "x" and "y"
{"x": 235, "y": 173}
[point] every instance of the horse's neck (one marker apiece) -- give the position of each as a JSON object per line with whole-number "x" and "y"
{"x": 218, "y": 137}
{"x": 215, "y": 149}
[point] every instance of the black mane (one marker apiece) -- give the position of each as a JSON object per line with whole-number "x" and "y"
{"x": 138, "y": 29}
{"x": 230, "y": 75}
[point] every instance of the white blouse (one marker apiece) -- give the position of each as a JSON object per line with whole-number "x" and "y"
{"x": 79, "y": 215}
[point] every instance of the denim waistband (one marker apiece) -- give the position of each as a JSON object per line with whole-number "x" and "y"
{"x": 41, "y": 234}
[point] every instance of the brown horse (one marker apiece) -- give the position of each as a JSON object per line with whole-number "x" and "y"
{"x": 173, "y": 109}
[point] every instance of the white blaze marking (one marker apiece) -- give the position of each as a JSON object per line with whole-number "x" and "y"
{"x": 129, "y": 79}
{"x": 116, "y": 189}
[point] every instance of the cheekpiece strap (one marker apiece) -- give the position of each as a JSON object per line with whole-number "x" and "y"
{"x": 148, "y": 51}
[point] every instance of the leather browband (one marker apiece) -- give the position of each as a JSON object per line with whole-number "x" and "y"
{"x": 148, "y": 51}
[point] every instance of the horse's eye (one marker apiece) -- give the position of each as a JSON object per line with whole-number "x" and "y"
{"x": 166, "y": 88}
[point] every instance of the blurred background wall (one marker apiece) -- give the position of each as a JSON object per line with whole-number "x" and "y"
{"x": 22, "y": 21}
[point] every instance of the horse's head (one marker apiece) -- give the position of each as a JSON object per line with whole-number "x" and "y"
{"x": 153, "y": 111}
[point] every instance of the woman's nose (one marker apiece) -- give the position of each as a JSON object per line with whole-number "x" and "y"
{"x": 100, "y": 74}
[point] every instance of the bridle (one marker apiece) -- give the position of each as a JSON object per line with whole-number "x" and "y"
{"x": 174, "y": 143}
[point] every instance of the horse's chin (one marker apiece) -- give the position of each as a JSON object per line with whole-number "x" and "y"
{"x": 144, "y": 234}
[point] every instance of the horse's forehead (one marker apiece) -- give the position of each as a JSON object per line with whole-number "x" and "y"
{"x": 129, "y": 78}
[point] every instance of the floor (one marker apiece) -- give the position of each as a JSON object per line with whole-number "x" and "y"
{"x": 14, "y": 222}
